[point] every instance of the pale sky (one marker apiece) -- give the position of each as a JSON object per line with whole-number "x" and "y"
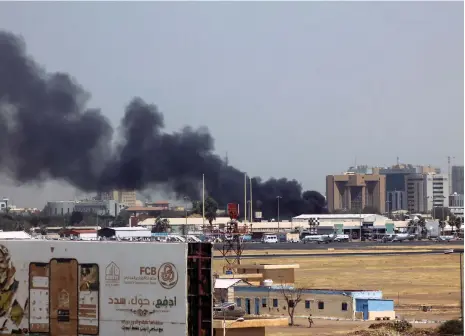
{"x": 296, "y": 90}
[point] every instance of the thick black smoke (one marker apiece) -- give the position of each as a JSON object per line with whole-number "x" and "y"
{"x": 48, "y": 132}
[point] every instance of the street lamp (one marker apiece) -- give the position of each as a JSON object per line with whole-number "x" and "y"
{"x": 186, "y": 199}
{"x": 278, "y": 198}
{"x": 240, "y": 319}
{"x": 460, "y": 252}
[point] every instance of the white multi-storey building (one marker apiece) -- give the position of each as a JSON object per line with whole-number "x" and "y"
{"x": 426, "y": 191}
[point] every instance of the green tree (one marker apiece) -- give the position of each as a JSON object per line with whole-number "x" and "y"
{"x": 442, "y": 225}
{"x": 211, "y": 207}
{"x": 161, "y": 225}
{"x": 455, "y": 222}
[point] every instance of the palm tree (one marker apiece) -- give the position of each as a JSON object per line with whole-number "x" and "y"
{"x": 161, "y": 225}
{"x": 458, "y": 224}
{"x": 442, "y": 225}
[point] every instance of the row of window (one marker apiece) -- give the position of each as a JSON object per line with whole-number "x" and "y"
{"x": 275, "y": 304}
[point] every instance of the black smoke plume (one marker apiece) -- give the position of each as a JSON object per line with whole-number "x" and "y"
{"x": 48, "y": 132}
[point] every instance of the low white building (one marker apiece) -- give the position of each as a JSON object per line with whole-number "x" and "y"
{"x": 14, "y": 235}
{"x": 354, "y": 224}
{"x": 127, "y": 232}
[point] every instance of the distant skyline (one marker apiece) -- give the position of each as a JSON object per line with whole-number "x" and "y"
{"x": 297, "y": 89}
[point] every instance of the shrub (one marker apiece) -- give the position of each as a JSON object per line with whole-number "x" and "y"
{"x": 398, "y": 326}
{"x": 451, "y": 327}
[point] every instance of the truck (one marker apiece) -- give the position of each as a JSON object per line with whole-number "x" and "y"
{"x": 71, "y": 288}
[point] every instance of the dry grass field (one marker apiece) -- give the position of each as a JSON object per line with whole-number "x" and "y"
{"x": 375, "y": 249}
{"x": 410, "y": 280}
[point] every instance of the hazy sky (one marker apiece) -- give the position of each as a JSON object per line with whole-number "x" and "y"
{"x": 295, "y": 90}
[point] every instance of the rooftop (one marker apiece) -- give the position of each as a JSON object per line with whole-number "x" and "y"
{"x": 349, "y": 292}
{"x": 266, "y": 266}
{"x": 226, "y": 283}
{"x": 143, "y": 208}
{"x": 14, "y": 235}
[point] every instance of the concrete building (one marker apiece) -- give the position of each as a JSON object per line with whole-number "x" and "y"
{"x": 14, "y": 235}
{"x": 126, "y": 197}
{"x": 79, "y": 234}
{"x": 457, "y": 180}
{"x": 263, "y": 294}
{"x": 106, "y": 207}
{"x": 178, "y": 224}
{"x": 396, "y": 194}
{"x": 224, "y": 289}
{"x": 354, "y": 192}
{"x": 256, "y": 274}
{"x": 345, "y": 304}
{"x": 426, "y": 191}
{"x": 60, "y": 208}
{"x": 363, "y": 169}
{"x": 163, "y": 205}
{"x": 456, "y": 200}
{"x": 396, "y": 200}
{"x": 125, "y": 232}
{"x": 354, "y": 225}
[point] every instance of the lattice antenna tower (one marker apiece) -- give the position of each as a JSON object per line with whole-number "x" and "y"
{"x": 233, "y": 244}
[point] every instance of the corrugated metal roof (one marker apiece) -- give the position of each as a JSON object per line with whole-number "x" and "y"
{"x": 225, "y": 283}
{"x": 14, "y": 235}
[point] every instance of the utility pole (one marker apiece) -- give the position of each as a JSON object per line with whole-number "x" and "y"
{"x": 245, "y": 198}
{"x": 251, "y": 204}
{"x": 449, "y": 174}
{"x": 278, "y": 198}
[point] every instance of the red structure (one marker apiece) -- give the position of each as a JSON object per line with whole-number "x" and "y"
{"x": 233, "y": 245}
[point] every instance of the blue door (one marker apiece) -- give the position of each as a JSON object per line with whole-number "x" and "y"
{"x": 247, "y": 306}
{"x": 257, "y": 306}
{"x": 365, "y": 311}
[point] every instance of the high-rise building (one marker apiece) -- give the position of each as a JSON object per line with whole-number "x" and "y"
{"x": 457, "y": 180}
{"x": 126, "y": 197}
{"x": 426, "y": 191}
{"x": 353, "y": 192}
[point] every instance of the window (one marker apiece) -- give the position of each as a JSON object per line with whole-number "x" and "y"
{"x": 275, "y": 303}
{"x": 321, "y": 305}
{"x": 344, "y": 306}
{"x": 239, "y": 302}
{"x": 307, "y": 304}
{"x": 263, "y": 302}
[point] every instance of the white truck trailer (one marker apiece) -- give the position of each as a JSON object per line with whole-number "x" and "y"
{"x": 67, "y": 288}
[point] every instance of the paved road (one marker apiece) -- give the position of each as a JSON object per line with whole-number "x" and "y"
{"x": 344, "y": 246}
{"x": 333, "y": 254}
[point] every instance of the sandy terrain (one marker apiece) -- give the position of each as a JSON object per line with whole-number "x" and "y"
{"x": 410, "y": 280}
{"x": 335, "y": 249}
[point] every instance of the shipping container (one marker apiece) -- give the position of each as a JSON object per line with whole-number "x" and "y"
{"x": 66, "y": 288}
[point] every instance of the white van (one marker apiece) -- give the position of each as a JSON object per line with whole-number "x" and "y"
{"x": 270, "y": 239}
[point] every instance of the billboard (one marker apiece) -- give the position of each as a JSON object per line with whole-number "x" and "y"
{"x": 93, "y": 288}
{"x": 233, "y": 210}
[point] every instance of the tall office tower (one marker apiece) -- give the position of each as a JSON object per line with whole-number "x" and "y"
{"x": 126, "y": 197}
{"x": 426, "y": 191}
{"x": 353, "y": 192}
{"x": 457, "y": 180}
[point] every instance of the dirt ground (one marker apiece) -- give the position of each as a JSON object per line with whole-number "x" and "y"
{"x": 325, "y": 328}
{"x": 374, "y": 249}
{"x": 410, "y": 280}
